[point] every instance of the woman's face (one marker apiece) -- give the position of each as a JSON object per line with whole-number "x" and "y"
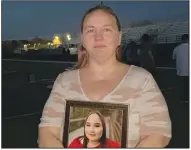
{"x": 93, "y": 128}
{"x": 100, "y": 35}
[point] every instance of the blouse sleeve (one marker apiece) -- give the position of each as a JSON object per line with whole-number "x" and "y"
{"x": 54, "y": 109}
{"x": 153, "y": 110}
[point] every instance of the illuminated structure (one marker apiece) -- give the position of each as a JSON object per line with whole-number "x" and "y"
{"x": 57, "y": 41}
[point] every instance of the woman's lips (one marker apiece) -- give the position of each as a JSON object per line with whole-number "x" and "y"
{"x": 99, "y": 46}
{"x": 92, "y": 134}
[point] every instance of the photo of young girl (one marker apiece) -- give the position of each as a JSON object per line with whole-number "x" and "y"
{"x": 94, "y": 135}
{"x": 95, "y": 125}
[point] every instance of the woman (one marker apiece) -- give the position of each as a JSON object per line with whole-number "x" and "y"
{"x": 100, "y": 76}
{"x": 94, "y": 134}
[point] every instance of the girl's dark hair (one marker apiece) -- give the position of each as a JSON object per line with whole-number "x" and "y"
{"x": 103, "y": 137}
{"x": 83, "y": 59}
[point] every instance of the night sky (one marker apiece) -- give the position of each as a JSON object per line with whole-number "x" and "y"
{"x": 28, "y": 19}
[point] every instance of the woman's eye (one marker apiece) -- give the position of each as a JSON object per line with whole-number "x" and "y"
{"x": 90, "y": 31}
{"x": 107, "y": 29}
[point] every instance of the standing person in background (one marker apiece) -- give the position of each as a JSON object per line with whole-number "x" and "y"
{"x": 146, "y": 56}
{"x": 181, "y": 54}
{"x": 133, "y": 55}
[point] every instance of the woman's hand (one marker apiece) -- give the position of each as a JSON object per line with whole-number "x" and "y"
{"x": 154, "y": 141}
{"x": 49, "y": 137}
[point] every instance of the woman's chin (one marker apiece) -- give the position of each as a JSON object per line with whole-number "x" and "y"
{"x": 92, "y": 139}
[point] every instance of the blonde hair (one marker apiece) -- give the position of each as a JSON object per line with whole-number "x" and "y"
{"x": 82, "y": 53}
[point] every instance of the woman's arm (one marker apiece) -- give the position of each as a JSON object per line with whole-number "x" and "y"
{"x": 154, "y": 141}
{"x": 50, "y": 137}
{"x": 50, "y": 127}
{"x": 155, "y": 123}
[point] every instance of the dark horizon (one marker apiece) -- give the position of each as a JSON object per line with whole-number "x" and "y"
{"x": 23, "y": 19}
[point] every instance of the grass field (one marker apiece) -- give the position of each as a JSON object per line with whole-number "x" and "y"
{"x": 19, "y": 97}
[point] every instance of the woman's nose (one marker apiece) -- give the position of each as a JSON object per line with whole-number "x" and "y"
{"x": 91, "y": 129}
{"x": 98, "y": 36}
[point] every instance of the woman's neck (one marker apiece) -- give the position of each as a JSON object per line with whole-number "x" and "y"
{"x": 102, "y": 67}
{"x": 92, "y": 144}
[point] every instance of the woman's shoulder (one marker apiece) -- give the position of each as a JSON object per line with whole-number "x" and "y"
{"x": 76, "y": 143}
{"x": 136, "y": 77}
{"x": 112, "y": 144}
{"x": 68, "y": 75}
{"x": 79, "y": 138}
{"x": 135, "y": 70}
{"x": 138, "y": 71}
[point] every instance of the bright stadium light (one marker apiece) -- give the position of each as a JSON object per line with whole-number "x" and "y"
{"x": 68, "y": 36}
{"x": 56, "y": 37}
{"x": 57, "y": 40}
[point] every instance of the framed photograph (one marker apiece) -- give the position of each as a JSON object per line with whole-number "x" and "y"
{"x": 80, "y": 123}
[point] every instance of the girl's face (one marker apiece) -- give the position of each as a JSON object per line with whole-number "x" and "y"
{"x": 93, "y": 128}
